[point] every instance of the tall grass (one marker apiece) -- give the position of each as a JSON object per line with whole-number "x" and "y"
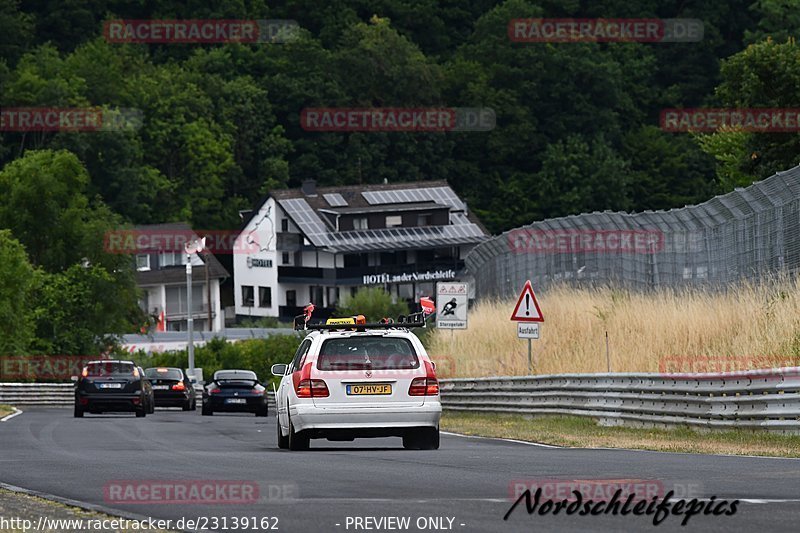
{"x": 745, "y": 327}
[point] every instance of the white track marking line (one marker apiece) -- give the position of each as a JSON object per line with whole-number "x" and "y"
{"x": 16, "y": 412}
{"x": 501, "y": 439}
{"x": 694, "y": 454}
{"x": 540, "y": 445}
{"x": 767, "y": 500}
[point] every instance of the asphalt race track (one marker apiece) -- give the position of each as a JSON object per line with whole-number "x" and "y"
{"x": 467, "y": 480}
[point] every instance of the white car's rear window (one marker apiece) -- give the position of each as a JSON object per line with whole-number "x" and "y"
{"x": 362, "y": 352}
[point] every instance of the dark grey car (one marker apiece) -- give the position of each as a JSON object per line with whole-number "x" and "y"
{"x": 111, "y": 385}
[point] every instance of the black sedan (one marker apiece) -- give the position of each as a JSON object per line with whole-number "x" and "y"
{"x": 111, "y": 385}
{"x": 234, "y": 391}
{"x": 172, "y": 388}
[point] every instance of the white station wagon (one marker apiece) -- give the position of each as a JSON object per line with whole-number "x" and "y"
{"x": 349, "y": 379}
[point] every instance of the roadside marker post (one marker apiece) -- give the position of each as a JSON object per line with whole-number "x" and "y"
{"x": 528, "y": 315}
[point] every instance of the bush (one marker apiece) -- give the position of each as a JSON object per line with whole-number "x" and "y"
{"x": 263, "y": 322}
{"x": 373, "y": 303}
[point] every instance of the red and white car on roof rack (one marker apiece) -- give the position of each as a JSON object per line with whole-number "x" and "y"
{"x": 350, "y": 379}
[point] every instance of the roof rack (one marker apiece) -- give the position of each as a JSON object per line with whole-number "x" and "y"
{"x": 414, "y": 320}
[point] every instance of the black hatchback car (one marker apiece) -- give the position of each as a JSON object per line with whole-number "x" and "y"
{"x": 172, "y": 388}
{"x": 111, "y": 385}
{"x": 234, "y": 391}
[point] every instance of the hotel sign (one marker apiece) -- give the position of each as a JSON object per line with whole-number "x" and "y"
{"x": 379, "y": 279}
{"x": 259, "y": 263}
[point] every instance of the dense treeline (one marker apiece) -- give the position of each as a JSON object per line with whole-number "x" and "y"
{"x": 577, "y": 123}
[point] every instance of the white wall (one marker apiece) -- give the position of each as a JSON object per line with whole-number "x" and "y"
{"x": 326, "y": 260}
{"x": 300, "y": 288}
{"x": 219, "y": 317}
{"x": 263, "y": 229}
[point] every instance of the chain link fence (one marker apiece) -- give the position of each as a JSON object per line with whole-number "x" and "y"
{"x": 751, "y": 233}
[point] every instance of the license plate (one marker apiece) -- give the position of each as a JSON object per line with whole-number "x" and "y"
{"x": 160, "y": 387}
{"x": 111, "y": 385}
{"x": 235, "y": 400}
{"x": 378, "y": 388}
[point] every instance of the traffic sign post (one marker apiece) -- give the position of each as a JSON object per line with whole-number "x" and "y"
{"x": 528, "y": 315}
{"x": 528, "y": 330}
{"x": 451, "y": 305}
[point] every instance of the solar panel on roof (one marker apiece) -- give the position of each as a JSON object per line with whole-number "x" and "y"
{"x": 335, "y": 199}
{"x": 460, "y": 231}
{"x": 441, "y": 195}
{"x": 308, "y": 221}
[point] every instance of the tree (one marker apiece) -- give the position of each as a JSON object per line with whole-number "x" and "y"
{"x": 16, "y": 285}
{"x": 15, "y": 29}
{"x": 729, "y": 147}
{"x": 767, "y": 75}
{"x": 374, "y": 303}
{"x": 666, "y": 169}
{"x": 45, "y": 206}
{"x": 579, "y": 176}
{"x": 83, "y": 297}
{"x": 83, "y": 311}
{"x": 777, "y": 19}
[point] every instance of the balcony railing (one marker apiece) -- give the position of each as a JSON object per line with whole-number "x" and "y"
{"x": 331, "y": 275}
{"x": 299, "y": 272}
{"x": 198, "y": 311}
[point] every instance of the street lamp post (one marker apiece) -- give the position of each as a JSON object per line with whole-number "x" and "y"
{"x": 208, "y": 290}
{"x": 193, "y": 247}
{"x": 190, "y": 320}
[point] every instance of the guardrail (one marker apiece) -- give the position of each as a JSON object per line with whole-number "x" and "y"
{"x": 59, "y": 394}
{"x": 758, "y": 399}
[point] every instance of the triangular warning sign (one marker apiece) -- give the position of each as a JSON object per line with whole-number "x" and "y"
{"x": 527, "y": 308}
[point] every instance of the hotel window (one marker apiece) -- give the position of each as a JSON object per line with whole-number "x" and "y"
{"x": 247, "y": 296}
{"x": 315, "y": 295}
{"x": 143, "y": 262}
{"x": 360, "y": 223}
{"x": 265, "y": 296}
{"x": 172, "y": 259}
{"x": 394, "y": 221}
{"x": 144, "y": 302}
{"x": 285, "y": 258}
{"x": 333, "y": 296}
{"x": 291, "y": 298}
{"x": 285, "y": 224}
{"x": 424, "y": 219}
{"x": 178, "y": 303}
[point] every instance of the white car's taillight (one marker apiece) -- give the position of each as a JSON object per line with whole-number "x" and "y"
{"x": 312, "y": 388}
{"x": 427, "y": 386}
{"x": 305, "y": 387}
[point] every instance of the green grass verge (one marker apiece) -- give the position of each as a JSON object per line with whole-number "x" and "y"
{"x": 585, "y": 433}
{"x": 5, "y": 410}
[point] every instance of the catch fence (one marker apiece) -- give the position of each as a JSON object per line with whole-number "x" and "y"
{"x": 751, "y": 233}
